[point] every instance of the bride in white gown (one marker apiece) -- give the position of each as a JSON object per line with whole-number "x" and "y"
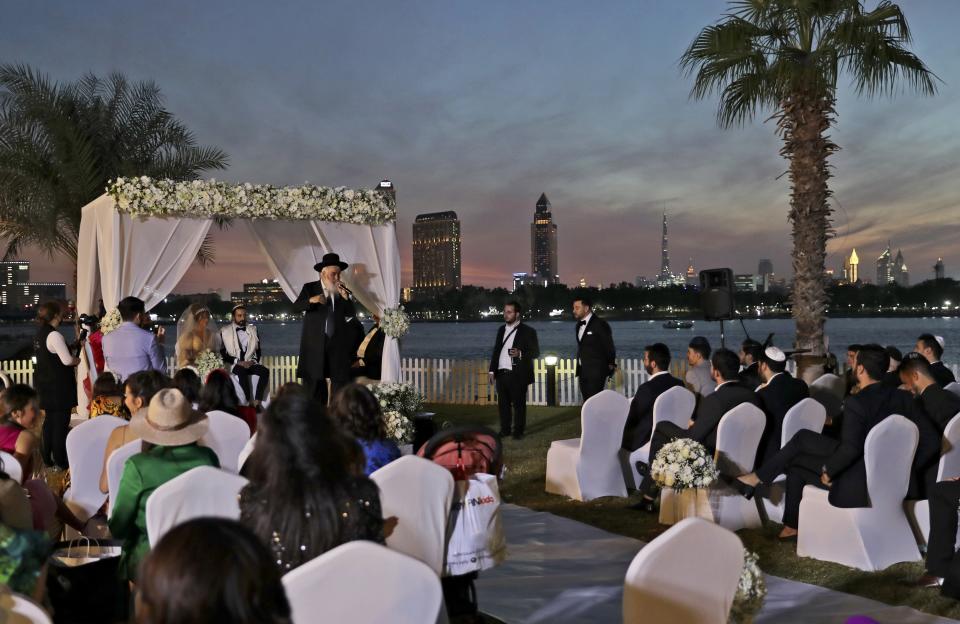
{"x": 196, "y": 333}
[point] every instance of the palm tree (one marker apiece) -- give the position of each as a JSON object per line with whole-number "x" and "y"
{"x": 61, "y": 143}
{"x": 785, "y": 57}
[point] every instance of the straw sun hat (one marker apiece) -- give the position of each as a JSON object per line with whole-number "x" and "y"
{"x": 170, "y": 420}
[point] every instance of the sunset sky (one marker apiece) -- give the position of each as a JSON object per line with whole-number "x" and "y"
{"x": 480, "y": 107}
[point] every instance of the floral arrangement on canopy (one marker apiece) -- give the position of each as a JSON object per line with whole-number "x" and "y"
{"x": 110, "y": 321}
{"x": 751, "y": 590}
{"x": 395, "y": 322}
{"x": 146, "y": 197}
{"x": 683, "y": 464}
{"x": 399, "y": 402}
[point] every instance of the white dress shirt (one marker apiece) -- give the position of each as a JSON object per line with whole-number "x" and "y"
{"x": 508, "y": 332}
{"x": 243, "y": 337}
{"x": 583, "y": 328}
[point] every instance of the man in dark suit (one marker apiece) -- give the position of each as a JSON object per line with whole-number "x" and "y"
{"x": 777, "y": 395}
{"x": 326, "y": 344}
{"x": 750, "y": 352}
{"x": 724, "y": 366}
{"x": 943, "y": 563}
{"x": 639, "y": 426}
{"x": 596, "y": 355}
{"x": 931, "y": 347}
{"x": 812, "y": 458}
{"x": 511, "y": 367}
{"x": 935, "y": 407}
{"x": 850, "y": 376}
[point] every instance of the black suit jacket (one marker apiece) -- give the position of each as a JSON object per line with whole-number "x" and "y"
{"x": 709, "y": 412}
{"x": 933, "y": 409}
{"x": 861, "y": 413}
{"x": 776, "y": 398}
{"x": 595, "y": 352}
{"x": 526, "y": 340}
{"x": 315, "y": 348}
{"x": 941, "y": 374}
{"x": 639, "y": 424}
{"x": 941, "y": 405}
{"x": 750, "y": 376}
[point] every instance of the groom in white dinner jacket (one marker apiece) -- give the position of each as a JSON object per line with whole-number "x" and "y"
{"x": 241, "y": 349}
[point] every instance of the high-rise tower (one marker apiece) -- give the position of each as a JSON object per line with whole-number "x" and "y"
{"x": 665, "y": 274}
{"x": 436, "y": 253}
{"x": 543, "y": 243}
{"x": 939, "y": 272}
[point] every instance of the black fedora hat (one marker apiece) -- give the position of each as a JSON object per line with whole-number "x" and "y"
{"x": 330, "y": 259}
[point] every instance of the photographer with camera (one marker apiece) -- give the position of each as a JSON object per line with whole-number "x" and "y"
{"x": 55, "y": 382}
{"x": 131, "y": 348}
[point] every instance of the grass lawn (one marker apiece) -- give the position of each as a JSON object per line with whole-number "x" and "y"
{"x": 524, "y": 482}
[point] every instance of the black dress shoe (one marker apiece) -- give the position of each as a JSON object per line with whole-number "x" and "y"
{"x": 747, "y": 491}
{"x": 645, "y": 504}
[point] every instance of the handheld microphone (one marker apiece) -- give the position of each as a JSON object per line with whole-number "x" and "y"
{"x": 344, "y": 287}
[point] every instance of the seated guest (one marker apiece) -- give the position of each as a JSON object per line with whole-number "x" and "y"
{"x": 934, "y": 409}
{"x": 724, "y": 368}
{"x": 639, "y": 426}
{"x": 750, "y": 352}
{"x": 240, "y": 584}
{"x": 240, "y": 349}
{"x": 780, "y": 391}
{"x": 698, "y": 377}
{"x": 107, "y": 397}
{"x": 370, "y": 354}
{"x": 811, "y": 458}
{"x": 130, "y": 348}
{"x": 307, "y": 493}
{"x": 357, "y": 411}
{"x": 137, "y": 392}
{"x": 931, "y": 347}
{"x": 187, "y": 381}
{"x": 170, "y": 429}
{"x": 942, "y": 559}
{"x": 892, "y": 378}
{"x": 850, "y": 376}
{"x": 15, "y": 510}
{"x": 219, "y": 394}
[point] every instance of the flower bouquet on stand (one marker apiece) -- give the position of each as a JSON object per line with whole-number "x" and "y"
{"x": 750, "y": 592}
{"x": 399, "y": 403}
{"x": 684, "y": 470}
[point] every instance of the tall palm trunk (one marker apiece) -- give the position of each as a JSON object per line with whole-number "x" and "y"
{"x": 803, "y": 121}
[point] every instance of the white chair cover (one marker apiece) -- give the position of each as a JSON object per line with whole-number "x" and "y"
{"x": 807, "y": 414}
{"x": 5, "y": 379}
{"x": 953, "y": 387}
{"x": 868, "y": 538}
{"x": 115, "y": 463}
{"x": 86, "y": 444}
{"x": 738, "y": 436}
{"x": 227, "y": 436}
{"x": 829, "y": 390}
{"x": 12, "y": 466}
{"x": 419, "y": 493}
{"x": 688, "y": 574}
{"x": 918, "y": 512}
{"x": 245, "y": 453}
{"x": 18, "y": 609}
{"x": 589, "y": 467}
{"x": 204, "y": 491}
{"x": 363, "y": 583}
{"x": 674, "y": 405}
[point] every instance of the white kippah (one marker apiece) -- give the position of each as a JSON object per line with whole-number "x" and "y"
{"x": 775, "y": 354}
{"x": 941, "y": 341}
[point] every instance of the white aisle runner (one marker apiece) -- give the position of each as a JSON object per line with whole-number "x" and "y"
{"x": 562, "y": 571}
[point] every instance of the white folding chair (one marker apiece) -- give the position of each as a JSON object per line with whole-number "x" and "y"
{"x": 12, "y": 466}
{"x": 918, "y": 511}
{"x": 5, "y": 380}
{"x": 829, "y": 390}
{"x": 807, "y": 414}
{"x": 953, "y": 387}
{"x": 689, "y": 574}
{"x": 674, "y": 405}
{"x": 868, "y": 538}
{"x": 86, "y": 444}
{"x": 18, "y": 609}
{"x": 203, "y": 491}
{"x": 419, "y": 493}
{"x": 115, "y": 463}
{"x": 589, "y": 467}
{"x": 227, "y": 436}
{"x": 363, "y": 583}
{"x": 738, "y": 436}
{"x": 245, "y": 453}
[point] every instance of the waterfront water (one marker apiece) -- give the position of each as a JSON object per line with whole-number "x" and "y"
{"x": 475, "y": 340}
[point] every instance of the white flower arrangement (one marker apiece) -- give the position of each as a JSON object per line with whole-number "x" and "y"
{"x": 399, "y": 427}
{"x": 751, "y": 590}
{"x": 207, "y": 362}
{"x": 145, "y": 197}
{"x": 397, "y": 397}
{"x": 110, "y": 321}
{"x": 395, "y": 322}
{"x": 683, "y": 464}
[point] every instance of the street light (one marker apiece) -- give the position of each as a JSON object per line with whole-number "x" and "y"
{"x": 551, "y": 362}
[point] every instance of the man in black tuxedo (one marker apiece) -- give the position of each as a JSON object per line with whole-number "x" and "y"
{"x": 934, "y": 409}
{"x": 639, "y": 426}
{"x": 511, "y": 367}
{"x": 777, "y": 395}
{"x": 811, "y": 458}
{"x": 596, "y": 355}
{"x": 326, "y": 345}
{"x": 931, "y": 347}
{"x": 724, "y": 367}
{"x": 750, "y": 352}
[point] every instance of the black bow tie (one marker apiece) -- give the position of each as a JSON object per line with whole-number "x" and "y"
{"x": 581, "y": 323}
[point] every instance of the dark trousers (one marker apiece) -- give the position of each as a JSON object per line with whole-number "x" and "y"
{"x": 801, "y": 459}
{"x": 511, "y": 402}
{"x": 56, "y": 426}
{"x": 245, "y": 375}
{"x": 316, "y": 388}
{"x": 591, "y": 384}
{"x": 941, "y": 547}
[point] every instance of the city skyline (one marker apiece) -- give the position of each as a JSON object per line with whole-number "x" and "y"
{"x": 480, "y": 109}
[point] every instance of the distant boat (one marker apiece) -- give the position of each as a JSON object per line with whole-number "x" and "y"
{"x": 675, "y": 324}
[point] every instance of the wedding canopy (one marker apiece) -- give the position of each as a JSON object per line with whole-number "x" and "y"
{"x": 140, "y": 238}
